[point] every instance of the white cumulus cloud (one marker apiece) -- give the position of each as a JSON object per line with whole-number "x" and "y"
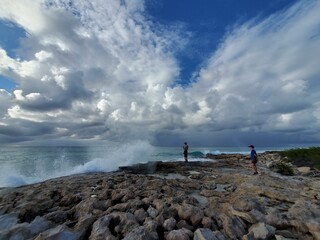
{"x": 104, "y": 70}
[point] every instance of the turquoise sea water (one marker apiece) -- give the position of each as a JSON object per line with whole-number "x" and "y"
{"x": 25, "y": 165}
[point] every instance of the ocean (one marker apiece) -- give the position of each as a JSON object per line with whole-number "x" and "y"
{"x": 21, "y": 165}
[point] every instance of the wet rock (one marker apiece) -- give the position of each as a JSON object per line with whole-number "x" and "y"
{"x": 59, "y": 232}
{"x": 8, "y": 220}
{"x": 26, "y": 230}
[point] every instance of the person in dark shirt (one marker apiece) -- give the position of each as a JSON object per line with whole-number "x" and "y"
{"x": 253, "y": 159}
{"x": 185, "y": 151}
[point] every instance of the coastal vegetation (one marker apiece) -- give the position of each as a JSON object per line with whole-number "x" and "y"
{"x": 284, "y": 168}
{"x": 303, "y": 156}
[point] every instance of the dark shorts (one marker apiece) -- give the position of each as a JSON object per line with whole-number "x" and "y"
{"x": 185, "y": 154}
{"x": 254, "y": 162}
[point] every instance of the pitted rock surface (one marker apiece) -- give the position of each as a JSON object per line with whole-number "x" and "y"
{"x": 218, "y": 199}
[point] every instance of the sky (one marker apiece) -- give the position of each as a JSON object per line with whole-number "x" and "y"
{"x": 210, "y": 72}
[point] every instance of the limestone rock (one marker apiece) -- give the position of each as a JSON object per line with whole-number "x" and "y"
{"x": 86, "y": 207}
{"x": 159, "y": 204}
{"x": 309, "y": 212}
{"x": 169, "y": 224}
{"x": 189, "y": 212}
{"x": 279, "y": 237}
{"x": 207, "y": 222}
{"x": 70, "y": 199}
{"x": 270, "y": 164}
{"x": 84, "y": 224}
{"x": 285, "y": 234}
{"x": 152, "y": 212}
{"x": 100, "y": 229}
{"x": 8, "y": 220}
{"x": 124, "y": 223}
{"x": 181, "y": 234}
{"x": 304, "y": 170}
{"x": 249, "y": 236}
{"x": 262, "y": 231}
{"x": 26, "y": 230}
{"x": 218, "y": 235}
{"x": 183, "y": 224}
{"x": 150, "y": 225}
{"x": 203, "y": 234}
{"x": 58, "y": 216}
{"x": 132, "y": 204}
{"x": 140, "y": 215}
{"x": 139, "y": 233}
{"x": 233, "y": 227}
{"x": 244, "y": 215}
{"x": 59, "y": 232}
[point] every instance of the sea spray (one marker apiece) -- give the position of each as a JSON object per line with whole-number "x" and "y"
{"x": 41, "y": 163}
{"x": 10, "y": 177}
{"x": 26, "y": 164}
{"x": 126, "y": 154}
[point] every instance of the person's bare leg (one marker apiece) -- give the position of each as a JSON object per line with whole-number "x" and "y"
{"x": 254, "y": 167}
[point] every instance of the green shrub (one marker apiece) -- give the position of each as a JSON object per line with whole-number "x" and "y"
{"x": 303, "y": 156}
{"x": 284, "y": 169}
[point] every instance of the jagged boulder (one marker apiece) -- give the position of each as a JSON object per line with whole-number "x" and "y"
{"x": 262, "y": 231}
{"x": 181, "y": 234}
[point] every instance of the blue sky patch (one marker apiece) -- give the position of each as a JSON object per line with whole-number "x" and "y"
{"x": 11, "y": 35}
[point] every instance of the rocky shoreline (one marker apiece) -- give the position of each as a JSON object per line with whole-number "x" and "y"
{"x": 217, "y": 198}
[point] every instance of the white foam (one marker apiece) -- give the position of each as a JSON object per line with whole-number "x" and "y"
{"x": 10, "y": 177}
{"x": 124, "y": 155}
{"x": 127, "y": 154}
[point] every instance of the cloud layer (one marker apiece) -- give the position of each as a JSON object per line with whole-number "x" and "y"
{"x": 97, "y": 70}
